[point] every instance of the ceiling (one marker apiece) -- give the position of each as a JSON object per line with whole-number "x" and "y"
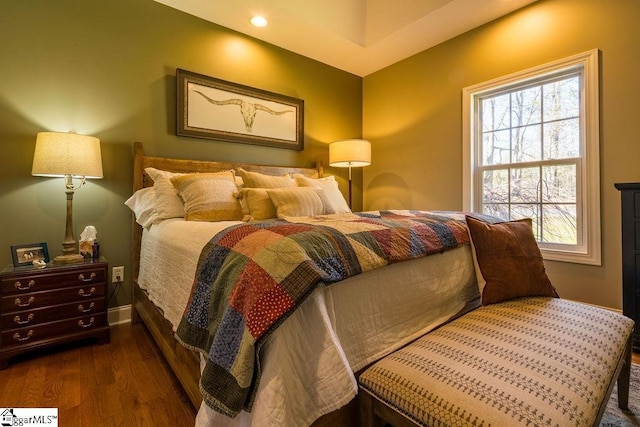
{"x": 358, "y": 36}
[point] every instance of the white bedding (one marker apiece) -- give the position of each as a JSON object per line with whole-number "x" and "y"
{"x": 309, "y": 361}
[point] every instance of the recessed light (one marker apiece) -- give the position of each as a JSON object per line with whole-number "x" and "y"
{"x": 259, "y": 21}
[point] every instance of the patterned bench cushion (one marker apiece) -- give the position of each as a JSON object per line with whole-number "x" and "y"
{"x": 531, "y": 361}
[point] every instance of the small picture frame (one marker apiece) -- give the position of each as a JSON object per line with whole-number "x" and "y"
{"x": 25, "y": 254}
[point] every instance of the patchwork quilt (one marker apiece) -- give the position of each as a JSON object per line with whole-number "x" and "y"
{"x": 251, "y": 276}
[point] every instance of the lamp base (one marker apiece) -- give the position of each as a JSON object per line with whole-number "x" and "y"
{"x": 68, "y": 259}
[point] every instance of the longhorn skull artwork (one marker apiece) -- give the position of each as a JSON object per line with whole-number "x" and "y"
{"x": 247, "y": 109}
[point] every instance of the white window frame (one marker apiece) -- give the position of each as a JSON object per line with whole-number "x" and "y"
{"x": 588, "y": 201}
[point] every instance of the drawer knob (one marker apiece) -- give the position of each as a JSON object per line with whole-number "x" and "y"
{"x": 81, "y": 308}
{"x": 91, "y": 291}
{"x": 19, "y": 286}
{"x": 22, "y": 322}
{"x": 82, "y": 278}
{"x": 18, "y": 337}
{"x": 86, "y": 325}
{"x": 19, "y": 302}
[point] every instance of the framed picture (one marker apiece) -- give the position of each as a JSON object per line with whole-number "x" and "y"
{"x": 216, "y": 109}
{"x": 26, "y": 254}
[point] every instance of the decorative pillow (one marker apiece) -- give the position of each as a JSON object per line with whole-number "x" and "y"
{"x": 299, "y": 201}
{"x": 143, "y": 205}
{"x": 260, "y": 180}
{"x": 239, "y": 182}
{"x": 330, "y": 187}
{"x": 256, "y": 204}
{"x": 509, "y": 260}
{"x": 169, "y": 204}
{"x": 209, "y": 196}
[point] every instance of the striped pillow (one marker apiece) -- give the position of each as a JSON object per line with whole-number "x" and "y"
{"x": 330, "y": 187}
{"x": 260, "y": 180}
{"x": 209, "y": 196}
{"x": 299, "y": 201}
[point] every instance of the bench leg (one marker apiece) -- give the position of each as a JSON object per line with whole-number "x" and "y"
{"x": 624, "y": 378}
{"x": 374, "y": 413}
{"x": 366, "y": 409}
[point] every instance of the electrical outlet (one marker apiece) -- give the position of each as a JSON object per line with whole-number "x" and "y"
{"x": 117, "y": 274}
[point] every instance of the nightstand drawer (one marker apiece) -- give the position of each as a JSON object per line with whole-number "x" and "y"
{"x": 40, "y": 280}
{"x": 36, "y": 316}
{"x": 28, "y": 335}
{"x": 33, "y": 300}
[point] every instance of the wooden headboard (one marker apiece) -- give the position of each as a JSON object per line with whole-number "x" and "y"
{"x": 141, "y": 180}
{"x": 141, "y": 162}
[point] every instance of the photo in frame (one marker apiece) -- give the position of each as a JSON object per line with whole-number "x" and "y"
{"x": 211, "y": 108}
{"x": 25, "y": 254}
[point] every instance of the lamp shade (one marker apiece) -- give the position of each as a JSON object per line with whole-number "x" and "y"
{"x": 350, "y": 153}
{"x": 60, "y": 154}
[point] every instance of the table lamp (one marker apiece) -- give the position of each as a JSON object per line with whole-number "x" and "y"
{"x": 350, "y": 153}
{"x": 67, "y": 155}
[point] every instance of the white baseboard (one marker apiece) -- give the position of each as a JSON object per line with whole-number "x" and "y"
{"x": 119, "y": 315}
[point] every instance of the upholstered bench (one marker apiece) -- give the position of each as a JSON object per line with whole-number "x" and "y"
{"x": 529, "y": 361}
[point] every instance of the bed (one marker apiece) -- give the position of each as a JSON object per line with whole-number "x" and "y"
{"x": 310, "y": 362}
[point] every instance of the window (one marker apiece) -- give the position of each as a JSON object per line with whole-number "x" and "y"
{"x": 531, "y": 149}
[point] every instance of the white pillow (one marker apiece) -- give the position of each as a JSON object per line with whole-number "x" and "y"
{"x": 143, "y": 205}
{"x": 330, "y": 187}
{"x": 169, "y": 203}
{"x": 299, "y": 201}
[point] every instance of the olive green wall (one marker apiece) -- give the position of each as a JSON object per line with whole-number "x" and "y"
{"x": 413, "y": 117}
{"x": 107, "y": 68}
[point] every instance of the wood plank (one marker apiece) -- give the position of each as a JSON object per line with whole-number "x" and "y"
{"x": 125, "y": 382}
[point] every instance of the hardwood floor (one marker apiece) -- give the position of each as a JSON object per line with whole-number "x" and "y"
{"x": 124, "y": 383}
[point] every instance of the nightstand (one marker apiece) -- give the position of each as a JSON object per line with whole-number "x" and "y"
{"x": 40, "y": 307}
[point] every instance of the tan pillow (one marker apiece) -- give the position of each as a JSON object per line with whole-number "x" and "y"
{"x": 260, "y": 180}
{"x": 209, "y": 196}
{"x": 299, "y": 201}
{"x": 256, "y": 204}
{"x": 169, "y": 203}
{"x": 330, "y": 187}
{"x": 509, "y": 260}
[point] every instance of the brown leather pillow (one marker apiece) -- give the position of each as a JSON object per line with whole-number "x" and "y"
{"x": 509, "y": 259}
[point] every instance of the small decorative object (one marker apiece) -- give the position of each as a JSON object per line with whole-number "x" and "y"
{"x": 87, "y": 237}
{"x": 216, "y": 109}
{"x": 67, "y": 155}
{"x": 38, "y": 263}
{"x": 96, "y": 250}
{"x": 27, "y": 254}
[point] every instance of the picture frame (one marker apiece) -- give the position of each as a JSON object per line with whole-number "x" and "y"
{"x": 23, "y": 255}
{"x": 211, "y": 108}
